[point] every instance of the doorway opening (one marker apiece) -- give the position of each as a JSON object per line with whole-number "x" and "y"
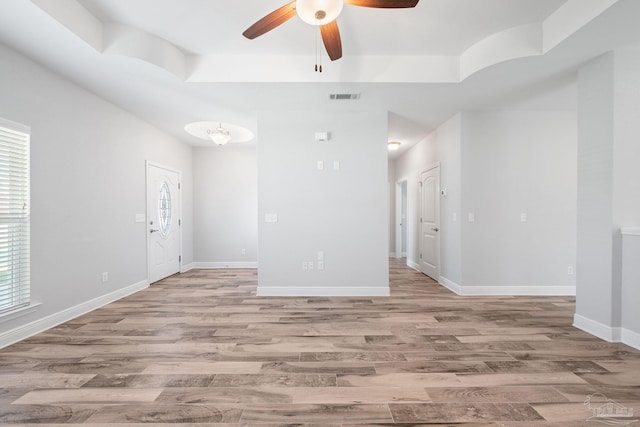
{"x": 401, "y": 219}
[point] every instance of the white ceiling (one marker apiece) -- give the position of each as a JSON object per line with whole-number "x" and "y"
{"x": 171, "y": 62}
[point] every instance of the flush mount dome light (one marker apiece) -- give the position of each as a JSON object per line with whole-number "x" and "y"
{"x": 319, "y": 12}
{"x": 393, "y": 145}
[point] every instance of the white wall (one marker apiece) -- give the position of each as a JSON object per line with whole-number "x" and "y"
{"x": 441, "y": 146}
{"x": 343, "y": 213}
{"x": 87, "y": 185}
{"x": 498, "y": 165}
{"x": 225, "y": 206}
{"x": 517, "y": 163}
{"x": 595, "y": 180}
{"x": 391, "y": 174}
{"x": 630, "y": 292}
{"x": 408, "y": 167}
{"x": 449, "y": 137}
{"x": 608, "y": 189}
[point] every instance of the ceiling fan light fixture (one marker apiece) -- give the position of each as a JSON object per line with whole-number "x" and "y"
{"x": 319, "y": 12}
{"x": 220, "y": 135}
{"x": 393, "y": 145}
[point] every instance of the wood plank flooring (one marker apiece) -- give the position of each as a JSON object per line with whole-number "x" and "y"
{"x": 201, "y": 348}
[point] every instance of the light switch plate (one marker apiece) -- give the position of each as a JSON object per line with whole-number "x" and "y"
{"x": 320, "y": 165}
{"x": 270, "y": 217}
{"x": 472, "y": 217}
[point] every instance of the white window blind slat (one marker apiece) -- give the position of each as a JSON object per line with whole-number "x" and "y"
{"x": 14, "y": 216}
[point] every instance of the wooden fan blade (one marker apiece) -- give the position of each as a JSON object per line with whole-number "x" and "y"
{"x": 271, "y": 21}
{"x": 331, "y": 38}
{"x": 383, "y": 4}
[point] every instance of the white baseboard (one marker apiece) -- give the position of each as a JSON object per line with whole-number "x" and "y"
{"x": 631, "y": 338}
{"x": 540, "y": 291}
{"x": 217, "y": 265}
{"x": 186, "y": 267}
{"x": 413, "y": 265}
{"x": 600, "y": 330}
{"x": 507, "y": 290}
{"x": 30, "y": 329}
{"x": 325, "y": 291}
{"x": 451, "y": 285}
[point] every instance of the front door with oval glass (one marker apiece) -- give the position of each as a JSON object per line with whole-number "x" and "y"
{"x": 163, "y": 222}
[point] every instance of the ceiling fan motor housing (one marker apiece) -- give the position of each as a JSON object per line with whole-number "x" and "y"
{"x": 319, "y": 12}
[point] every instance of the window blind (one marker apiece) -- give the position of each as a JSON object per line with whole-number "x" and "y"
{"x": 14, "y": 215}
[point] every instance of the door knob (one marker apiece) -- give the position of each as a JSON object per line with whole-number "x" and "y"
{"x": 153, "y": 231}
{"x": 435, "y": 229}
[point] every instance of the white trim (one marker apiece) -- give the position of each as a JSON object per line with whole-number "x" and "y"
{"x": 30, "y": 329}
{"x": 607, "y": 333}
{"x": 398, "y": 217}
{"x": 326, "y": 291}
{"x": 413, "y": 265}
{"x": 149, "y": 163}
{"x": 15, "y": 126}
{"x": 631, "y": 338}
{"x": 630, "y": 231}
{"x": 438, "y": 173}
{"x": 392, "y": 254}
{"x": 218, "y": 265}
{"x": 506, "y": 290}
{"x": 19, "y": 312}
{"x": 186, "y": 267}
{"x": 451, "y": 285}
{"x": 597, "y": 329}
{"x": 518, "y": 290}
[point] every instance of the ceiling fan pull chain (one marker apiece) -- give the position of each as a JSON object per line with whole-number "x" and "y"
{"x": 319, "y": 50}
{"x": 316, "y": 46}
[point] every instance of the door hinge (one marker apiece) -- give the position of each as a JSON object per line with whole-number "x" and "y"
{"x": 179, "y": 258}
{"x": 179, "y": 222}
{"x": 178, "y": 186}
{"x": 420, "y": 256}
{"x": 420, "y": 219}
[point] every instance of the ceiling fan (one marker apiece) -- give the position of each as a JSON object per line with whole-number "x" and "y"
{"x": 322, "y": 13}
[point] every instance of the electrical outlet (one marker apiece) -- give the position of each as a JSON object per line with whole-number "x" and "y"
{"x": 523, "y": 217}
{"x": 570, "y": 271}
{"x": 243, "y": 251}
{"x": 310, "y": 265}
{"x": 105, "y": 277}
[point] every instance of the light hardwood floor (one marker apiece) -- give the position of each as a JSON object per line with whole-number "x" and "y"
{"x": 201, "y": 348}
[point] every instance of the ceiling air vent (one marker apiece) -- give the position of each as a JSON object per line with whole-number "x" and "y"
{"x": 344, "y": 96}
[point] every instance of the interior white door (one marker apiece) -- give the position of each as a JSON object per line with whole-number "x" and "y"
{"x": 163, "y": 222}
{"x": 430, "y": 222}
